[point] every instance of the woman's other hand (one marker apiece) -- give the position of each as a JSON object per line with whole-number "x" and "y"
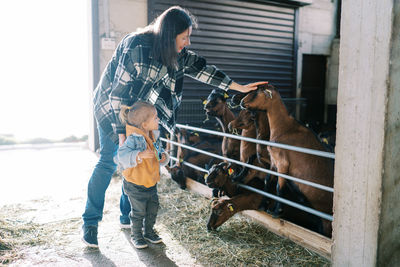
{"x": 245, "y": 88}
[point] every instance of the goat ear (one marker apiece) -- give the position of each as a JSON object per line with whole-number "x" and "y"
{"x": 268, "y": 93}
{"x": 214, "y": 202}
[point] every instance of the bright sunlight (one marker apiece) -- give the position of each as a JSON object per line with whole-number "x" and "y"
{"x": 44, "y": 69}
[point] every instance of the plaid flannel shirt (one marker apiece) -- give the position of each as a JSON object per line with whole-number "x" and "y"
{"x": 133, "y": 74}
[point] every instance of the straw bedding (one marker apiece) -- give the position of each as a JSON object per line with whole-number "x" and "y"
{"x": 238, "y": 242}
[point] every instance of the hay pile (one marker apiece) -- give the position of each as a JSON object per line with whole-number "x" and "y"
{"x": 16, "y": 234}
{"x": 238, "y": 242}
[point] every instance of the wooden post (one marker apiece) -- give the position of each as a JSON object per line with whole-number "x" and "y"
{"x": 366, "y": 226}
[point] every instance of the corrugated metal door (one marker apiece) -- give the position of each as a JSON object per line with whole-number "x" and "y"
{"x": 250, "y": 41}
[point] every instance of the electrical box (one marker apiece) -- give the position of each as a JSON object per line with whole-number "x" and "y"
{"x": 107, "y": 43}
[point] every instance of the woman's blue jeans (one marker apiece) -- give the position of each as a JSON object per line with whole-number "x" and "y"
{"x": 99, "y": 182}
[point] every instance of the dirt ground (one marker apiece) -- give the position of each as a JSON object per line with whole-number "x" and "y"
{"x": 40, "y": 222}
{"x": 57, "y": 242}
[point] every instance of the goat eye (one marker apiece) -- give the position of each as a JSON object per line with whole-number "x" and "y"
{"x": 217, "y": 212}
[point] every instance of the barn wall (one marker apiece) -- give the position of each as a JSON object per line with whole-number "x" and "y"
{"x": 125, "y": 16}
{"x": 111, "y": 19}
{"x": 316, "y": 32}
{"x": 366, "y": 213}
{"x": 317, "y": 36}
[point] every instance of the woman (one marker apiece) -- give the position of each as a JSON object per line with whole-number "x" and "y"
{"x": 148, "y": 65}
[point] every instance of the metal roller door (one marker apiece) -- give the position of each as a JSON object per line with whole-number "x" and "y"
{"x": 249, "y": 41}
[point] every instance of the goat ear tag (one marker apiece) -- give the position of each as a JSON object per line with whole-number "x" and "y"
{"x": 180, "y": 160}
{"x": 226, "y": 95}
{"x": 205, "y": 176}
{"x": 196, "y": 134}
{"x": 205, "y": 102}
{"x": 230, "y": 207}
{"x": 230, "y": 171}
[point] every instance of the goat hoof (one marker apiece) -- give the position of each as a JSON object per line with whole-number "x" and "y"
{"x": 275, "y": 214}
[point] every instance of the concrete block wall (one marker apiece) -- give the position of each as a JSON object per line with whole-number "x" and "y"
{"x": 317, "y": 27}
{"x": 112, "y": 19}
{"x": 125, "y": 16}
{"x": 316, "y": 36}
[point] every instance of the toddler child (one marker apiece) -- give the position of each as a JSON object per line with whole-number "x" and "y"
{"x": 139, "y": 158}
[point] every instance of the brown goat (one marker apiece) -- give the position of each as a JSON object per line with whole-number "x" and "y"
{"x": 181, "y": 171}
{"x": 262, "y": 129}
{"x": 245, "y": 122}
{"x": 263, "y": 133}
{"x": 216, "y": 106}
{"x": 285, "y": 129}
{"x": 223, "y": 209}
{"x": 240, "y": 199}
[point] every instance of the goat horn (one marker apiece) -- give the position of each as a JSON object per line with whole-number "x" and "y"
{"x": 206, "y": 119}
{"x": 235, "y": 131}
{"x": 268, "y": 93}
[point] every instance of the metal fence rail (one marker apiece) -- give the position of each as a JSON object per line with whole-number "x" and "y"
{"x": 287, "y": 202}
{"x": 322, "y": 187}
{"x": 262, "y": 142}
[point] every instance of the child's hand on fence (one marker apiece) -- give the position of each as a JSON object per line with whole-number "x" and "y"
{"x": 163, "y": 157}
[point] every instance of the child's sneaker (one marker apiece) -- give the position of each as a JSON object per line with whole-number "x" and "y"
{"x": 153, "y": 238}
{"x": 139, "y": 242}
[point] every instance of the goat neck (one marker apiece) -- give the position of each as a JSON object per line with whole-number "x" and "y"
{"x": 247, "y": 149}
{"x": 226, "y": 118}
{"x": 278, "y": 117}
{"x": 263, "y": 133}
{"x": 262, "y": 125}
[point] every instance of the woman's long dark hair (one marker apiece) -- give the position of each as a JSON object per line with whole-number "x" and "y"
{"x": 165, "y": 28}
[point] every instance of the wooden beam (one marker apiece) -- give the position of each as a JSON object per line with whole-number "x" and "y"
{"x": 198, "y": 188}
{"x": 302, "y": 236}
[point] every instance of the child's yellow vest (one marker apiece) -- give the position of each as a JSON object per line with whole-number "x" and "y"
{"x": 146, "y": 173}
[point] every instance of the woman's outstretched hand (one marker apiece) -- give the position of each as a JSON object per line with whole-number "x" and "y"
{"x": 245, "y": 88}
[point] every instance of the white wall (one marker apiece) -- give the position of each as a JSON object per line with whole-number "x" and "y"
{"x": 125, "y": 16}
{"x": 113, "y": 19}
{"x": 317, "y": 30}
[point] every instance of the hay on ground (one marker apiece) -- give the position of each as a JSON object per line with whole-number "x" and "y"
{"x": 238, "y": 242}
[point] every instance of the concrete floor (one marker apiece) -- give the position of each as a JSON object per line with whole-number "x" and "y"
{"x": 46, "y": 185}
